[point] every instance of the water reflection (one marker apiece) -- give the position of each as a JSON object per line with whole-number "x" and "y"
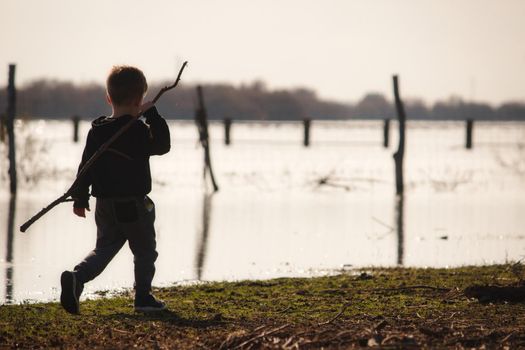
{"x": 9, "y": 283}
{"x": 400, "y": 205}
{"x": 204, "y": 234}
{"x": 277, "y": 225}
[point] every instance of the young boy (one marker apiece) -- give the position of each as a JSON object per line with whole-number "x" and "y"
{"x": 120, "y": 180}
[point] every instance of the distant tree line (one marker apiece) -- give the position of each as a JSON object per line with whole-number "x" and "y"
{"x": 46, "y": 98}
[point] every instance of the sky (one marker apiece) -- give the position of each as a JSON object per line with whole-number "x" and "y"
{"x": 342, "y": 49}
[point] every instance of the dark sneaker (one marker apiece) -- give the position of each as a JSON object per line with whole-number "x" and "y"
{"x": 148, "y": 303}
{"x": 71, "y": 290}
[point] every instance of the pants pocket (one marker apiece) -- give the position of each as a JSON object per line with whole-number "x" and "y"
{"x": 126, "y": 211}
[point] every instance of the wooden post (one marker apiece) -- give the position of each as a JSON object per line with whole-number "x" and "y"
{"x": 400, "y": 153}
{"x": 76, "y": 121}
{"x": 307, "y": 123}
{"x": 11, "y": 111}
{"x": 227, "y": 128}
{"x": 201, "y": 118}
{"x": 470, "y": 125}
{"x": 386, "y": 133}
{"x": 2, "y": 127}
{"x": 9, "y": 283}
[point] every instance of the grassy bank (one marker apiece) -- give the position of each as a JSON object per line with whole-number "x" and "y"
{"x": 392, "y": 308}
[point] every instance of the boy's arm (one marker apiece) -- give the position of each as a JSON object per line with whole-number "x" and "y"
{"x": 159, "y": 140}
{"x": 80, "y": 194}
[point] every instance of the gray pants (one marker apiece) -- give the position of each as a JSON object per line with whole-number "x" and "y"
{"x": 119, "y": 220}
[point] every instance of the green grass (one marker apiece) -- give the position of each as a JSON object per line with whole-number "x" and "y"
{"x": 346, "y": 310}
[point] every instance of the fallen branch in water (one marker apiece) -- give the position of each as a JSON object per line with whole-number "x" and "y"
{"x": 345, "y": 183}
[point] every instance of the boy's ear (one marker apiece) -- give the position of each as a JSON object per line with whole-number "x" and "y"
{"x": 108, "y": 99}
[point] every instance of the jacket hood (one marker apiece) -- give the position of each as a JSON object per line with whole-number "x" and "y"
{"x": 109, "y": 121}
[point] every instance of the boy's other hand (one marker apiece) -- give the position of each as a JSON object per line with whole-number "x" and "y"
{"x": 145, "y": 107}
{"x": 80, "y": 212}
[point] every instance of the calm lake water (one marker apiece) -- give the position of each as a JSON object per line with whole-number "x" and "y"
{"x": 272, "y": 217}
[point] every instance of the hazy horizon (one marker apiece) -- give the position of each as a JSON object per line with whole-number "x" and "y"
{"x": 340, "y": 49}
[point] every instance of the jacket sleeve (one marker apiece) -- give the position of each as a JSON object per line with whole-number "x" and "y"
{"x": 159, "y": 133}
{"x": 80, "y": 193}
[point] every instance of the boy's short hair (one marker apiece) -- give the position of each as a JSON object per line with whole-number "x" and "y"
{"x": 125, "y": 84}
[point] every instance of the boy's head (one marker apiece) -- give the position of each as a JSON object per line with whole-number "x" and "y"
{"x": 126, "y": 85}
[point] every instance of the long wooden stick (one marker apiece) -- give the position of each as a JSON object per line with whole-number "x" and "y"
{"x": 93, "y": 158}
{"x": 166, "y": 88}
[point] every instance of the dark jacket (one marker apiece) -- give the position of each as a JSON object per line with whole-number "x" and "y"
{"x": 122, "y": 170}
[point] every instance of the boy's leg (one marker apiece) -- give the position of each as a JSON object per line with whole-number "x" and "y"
{"x": 141, "y": 237}
{"x": 109, "y": 241}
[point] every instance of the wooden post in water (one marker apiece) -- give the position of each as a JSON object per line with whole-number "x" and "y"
{"x": 201, "y": 118}
{"x": 227, "y": 128}
{"x": 386, "y": 132}
{"x": 9, "y": 283}
{"x": 470, "y": 125}
{"x": 10, "y": 121}
{"x": 400, "y": 153}
{"x": 2, "y": 128}
{"x": 76, "y": 121}
{"x": 307, "y": 123}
